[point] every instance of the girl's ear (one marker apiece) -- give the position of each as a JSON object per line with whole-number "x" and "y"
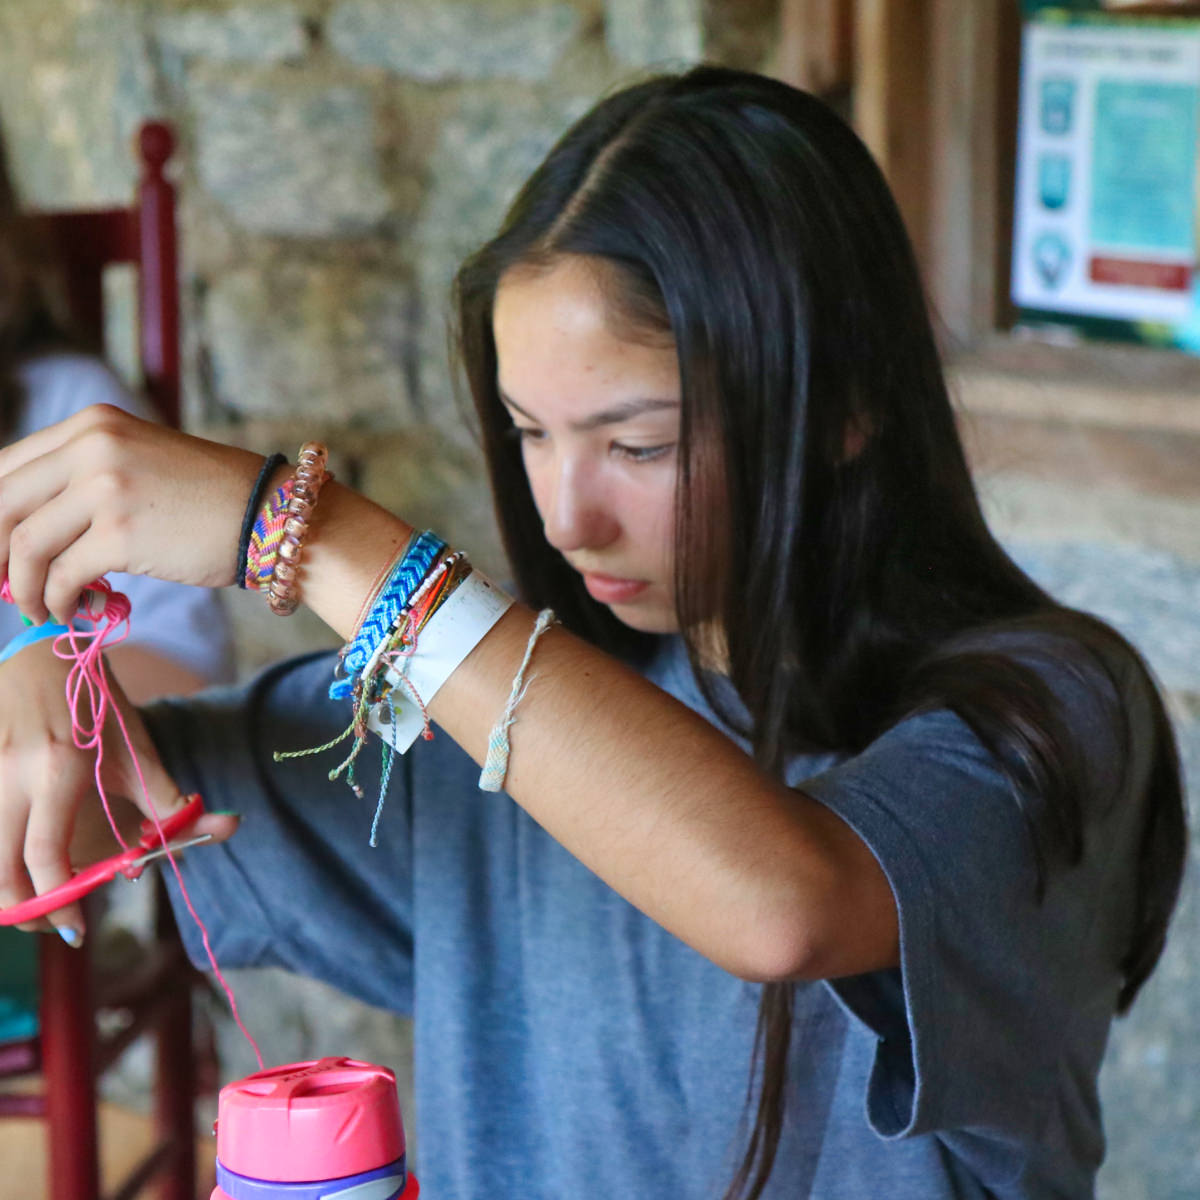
{"x": 858, "y": 431}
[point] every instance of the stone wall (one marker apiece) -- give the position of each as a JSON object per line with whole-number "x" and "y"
{"x": 1108, "y": 520}
{"x": 336, "y": 160}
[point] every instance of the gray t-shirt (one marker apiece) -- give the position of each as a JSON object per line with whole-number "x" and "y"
{"x": 567, "y": 1046}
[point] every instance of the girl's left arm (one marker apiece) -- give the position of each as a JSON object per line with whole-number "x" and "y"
{"x": 761, "y": 879}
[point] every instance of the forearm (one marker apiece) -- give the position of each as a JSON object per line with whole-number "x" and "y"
{"x": 146, "y": 674}
{"x": 666, "y": 809}
{"x": 663, "y": 807}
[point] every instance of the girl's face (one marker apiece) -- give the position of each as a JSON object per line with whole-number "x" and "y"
{"x": 598, "y": 419}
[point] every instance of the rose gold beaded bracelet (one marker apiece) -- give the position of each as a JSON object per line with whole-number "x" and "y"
{"x": 283, "y": 596}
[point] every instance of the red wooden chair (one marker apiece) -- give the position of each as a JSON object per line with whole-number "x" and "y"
{"x": 68, "y": 1050}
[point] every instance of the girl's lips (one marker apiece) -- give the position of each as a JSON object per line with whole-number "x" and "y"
{"x": 608, "y": 589}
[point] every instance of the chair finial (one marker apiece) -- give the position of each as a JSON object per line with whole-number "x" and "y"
{"x": 156, "y": 143}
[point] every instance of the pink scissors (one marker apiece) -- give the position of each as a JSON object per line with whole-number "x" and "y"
{"x": 129, "y": 863}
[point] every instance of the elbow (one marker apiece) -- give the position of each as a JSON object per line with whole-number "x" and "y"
{"x": 782, "y": 951}
{"x": 804, "y": 949}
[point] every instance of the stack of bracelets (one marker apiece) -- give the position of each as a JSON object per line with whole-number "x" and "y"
{"x": 425, "y": 612}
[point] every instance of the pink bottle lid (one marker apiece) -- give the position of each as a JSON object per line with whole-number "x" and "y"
{"x": 310, "y": 1120}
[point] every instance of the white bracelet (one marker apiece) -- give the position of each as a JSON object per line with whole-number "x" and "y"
{"x": 452, "y": 633}
{"x": 495, "y": 766}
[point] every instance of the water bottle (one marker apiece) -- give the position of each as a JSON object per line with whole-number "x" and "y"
{"x": 312, "y": 1131}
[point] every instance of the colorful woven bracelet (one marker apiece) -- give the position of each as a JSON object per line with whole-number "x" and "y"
{"x": 253, "y": 505}
{"x": 262, "y": 550}
{"x": 401, "y": 639}
{"x": 381, "y": 577}
{"x": 402, "y": 583}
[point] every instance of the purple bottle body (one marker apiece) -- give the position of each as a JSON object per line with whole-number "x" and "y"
{"x": 389, "y": 1183}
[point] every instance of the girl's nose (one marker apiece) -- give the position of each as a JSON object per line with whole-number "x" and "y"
{"x": 576, "y": 514}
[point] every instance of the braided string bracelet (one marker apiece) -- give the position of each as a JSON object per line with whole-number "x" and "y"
{"x": 495, "y": 765}
{"x": 370, "y": 687}
{"x": 266, "y": 534}
{"x": 381, "y": 577}
{"x": 407, "y": 575}
{"x": 270, "y": 464}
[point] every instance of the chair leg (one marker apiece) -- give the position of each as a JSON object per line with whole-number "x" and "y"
{"x": 68, "y": 1038}
{"x": 175, "y": 1087}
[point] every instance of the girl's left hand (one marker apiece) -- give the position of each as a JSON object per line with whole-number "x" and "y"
{"x": 51, "y": 819}
{"x": 106, "y": 491}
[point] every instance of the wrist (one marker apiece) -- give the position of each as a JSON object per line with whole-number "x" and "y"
{"x": 351, "y": 543}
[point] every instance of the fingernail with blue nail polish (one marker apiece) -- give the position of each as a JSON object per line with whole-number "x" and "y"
{"x": 72, "y": 937}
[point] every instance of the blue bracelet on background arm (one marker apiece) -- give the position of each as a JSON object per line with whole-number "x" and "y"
{"x": 404, "y": 580}
{"x": 27, "y": 637}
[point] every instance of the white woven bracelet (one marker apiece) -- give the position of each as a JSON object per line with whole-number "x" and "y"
{"x": 495, "y": 765}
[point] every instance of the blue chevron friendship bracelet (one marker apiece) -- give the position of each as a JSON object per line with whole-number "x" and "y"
{"x": 404, "y": 580}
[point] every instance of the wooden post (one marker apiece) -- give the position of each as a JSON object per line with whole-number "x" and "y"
{"x": 891, "y": 103}
{"x": 158, "y": 279}
{"x": 175, "y": 1085}
{"x": 68, "y": 1035}
{"x": 816, "y": 45}
{"x": 974, "y": 52}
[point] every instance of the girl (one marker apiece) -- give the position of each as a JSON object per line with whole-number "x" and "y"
{"x": 834, "y": 843}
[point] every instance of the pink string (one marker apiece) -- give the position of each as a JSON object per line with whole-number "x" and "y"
{"x": 107, "y": 612}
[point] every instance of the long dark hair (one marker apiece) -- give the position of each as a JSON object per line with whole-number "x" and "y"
{"x": 820, "y": 464}
{"x": 31, "y": 318}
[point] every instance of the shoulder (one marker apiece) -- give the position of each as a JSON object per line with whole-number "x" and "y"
{"x": 1062, "y": 675}
{"x": 1061, "y": 711}
{"x": 57, "y": 386}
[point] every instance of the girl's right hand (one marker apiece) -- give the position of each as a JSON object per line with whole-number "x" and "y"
{"x": 51, "y": 819}
{"x": 106, "y": 491}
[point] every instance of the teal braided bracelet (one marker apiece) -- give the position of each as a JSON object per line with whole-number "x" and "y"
{"x": 404, "y": 580}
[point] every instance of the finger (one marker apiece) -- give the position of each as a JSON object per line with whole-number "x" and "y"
{"x": 34, "y": 543}
{"x": 14, "y": 879}
{"x": 85, "y": 449}
{"x": 87, "y": 558}
{"x": 48, "y": 834}
{"x": 22, "y": 493}
{"x": 53, "y": 438}
{"x": 219, "y": 826}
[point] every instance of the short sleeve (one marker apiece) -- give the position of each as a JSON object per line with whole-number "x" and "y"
{"x": 298, "y": 886}
{"x": 187, "y": 625}
{"x": 971, "y": 1030}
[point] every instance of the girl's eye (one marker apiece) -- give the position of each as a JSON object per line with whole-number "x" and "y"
{"x": 524, "y": 434}
{"x": 643, "y": 454}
